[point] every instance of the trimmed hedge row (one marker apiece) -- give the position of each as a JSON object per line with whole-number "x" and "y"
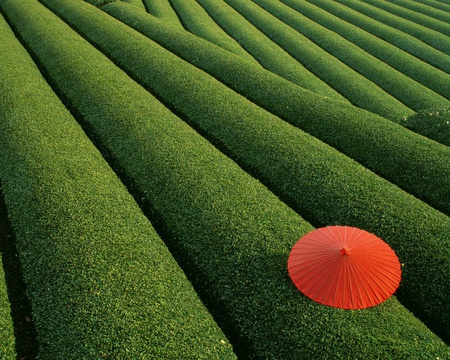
{"x": 418, "y": 18}
{"x": 7, "y": 343}
{"x": 417, "y": 72}
{"x": 433, "y": 38}
{"x": 270, "y": 55}
{"x": 137, "y": 3}
{"x": 163, "y": 10}
{"x": 230, "y": 229}
{"x": 398, "y": 38}
{"x": 315, "y": 179}
{"x": 441, "y": 15}
{"x": 100, "y": 280}
{"x": 353, "y": 86}
{"x": 196, "y": 20}
{"x": 373, "y": 141}
{"x": 432, "y": 123}
{"x": 436, "y": 4}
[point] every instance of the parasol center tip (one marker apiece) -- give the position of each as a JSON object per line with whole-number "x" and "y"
{"x": 344, "y": 251}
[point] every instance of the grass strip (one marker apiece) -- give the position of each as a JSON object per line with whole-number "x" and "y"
{"x": 353, "y": 86}
{"x": 196, "y": 20}
{"x": 417, "y": 18}
{"x": 371, "y": 140}
{"x": 163, "y": 10}
{"x": 400, "y": 39}
{"x": 270, "y": 55}
{"x": 433, "y": 38}
{"x": 233, "y": 231}
{"x": 401, "y": 74}
{"x": 101, "y": 281}
{"x": 315, "y": 179}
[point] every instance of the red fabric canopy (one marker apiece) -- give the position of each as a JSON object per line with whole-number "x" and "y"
{"x": 344, "y": 267}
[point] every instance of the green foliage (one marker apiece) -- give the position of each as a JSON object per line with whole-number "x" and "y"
{"x": 163, "y": 10}
{"x": 7, "y": 343}
{"x": 433, "y": 38}
{"x": 100, "y": 3}
{"x": 412, "y": 89}
{"x": 198, "y": 22}
{"x": 373, "y": 141}
{"x": 441, "y": 5}
{"x": 432, "y": 123}
{"x": 400, "y": 39}
{"x": 415, "y": 17}
{"x": 268, "y": 53}
{"x": 353, "y": 86}
{"x": 137, "y": 3}
{"x": 7, "y": 351}
{"x": 234, "y": 233}
{"x": 424, "y": 9}
{"x": 100, "y": 280}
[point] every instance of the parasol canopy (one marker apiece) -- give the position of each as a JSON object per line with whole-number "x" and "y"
{"x": 344, "y": 267}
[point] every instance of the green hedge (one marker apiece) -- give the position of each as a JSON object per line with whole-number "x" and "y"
{"x": 163, "y": 10}
{"x": 7, "y": 342}
{"x": 425, "y": 9}
{"x": 137, "y": 3}
{"x": 373, "y": 141}
{"x": 315, "y": 179}
{"x": 409, "y": 79}
{"x": 433, "y": 38}
{"x": 432, "y": 123}
{"x": 197, "y": 21}
{"x": 415, "y": 17}
{"x": 269, "y": 54}
{"x": 100, "y": 3}
{"x": 400, "y": 39}
{"x": 441, "y": 5}
{"x": 232, "y": 232}
{"x": 101, "y": 281}
{"x": 353, "y": 86}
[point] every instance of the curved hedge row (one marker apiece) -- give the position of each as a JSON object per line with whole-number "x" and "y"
{"x": 414, "y": 69}
{"x": 270, "y": 55}
{"x": 7, "y": 341}
{"x": 100, "y": 280}
{"x": 400, "y": 39}
{"x": 314, "y": 178}
{"x": 137, "y": 3}
{"x": 433, "y": 38}
{"x": 353, "y": 86}
{"x": 418, "y": 18}
{"x": 232, "y": 231}
{"x": 373, "y": 141}
{"x": 196, "y": 20}
{"x": 163, "y": 10}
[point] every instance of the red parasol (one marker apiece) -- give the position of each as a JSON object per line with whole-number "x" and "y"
{"x": 344, "y": 267}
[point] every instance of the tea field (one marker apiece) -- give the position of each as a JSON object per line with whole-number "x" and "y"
{"x": 160, "y": 158}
